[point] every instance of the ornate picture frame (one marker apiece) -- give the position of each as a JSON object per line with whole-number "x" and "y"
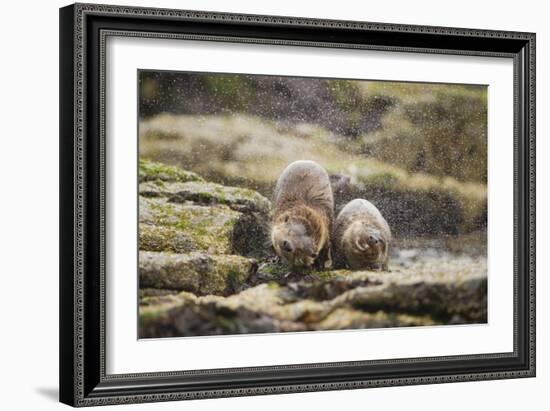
{"x": 84, "y": 29}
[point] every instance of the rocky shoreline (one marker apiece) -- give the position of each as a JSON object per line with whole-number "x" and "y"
{"x": 206, "y": 268}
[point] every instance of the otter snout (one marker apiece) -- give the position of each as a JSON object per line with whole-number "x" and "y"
{"x": 293, "y": 245}
{"x": 365, "y": 242}
{"x": 286, "y": 246}
{"x": 362, "y": 246}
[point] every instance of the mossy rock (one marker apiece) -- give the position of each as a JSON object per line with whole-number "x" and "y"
{"x": 165, "y": 238}
{"x": 349, "y": 318}
{"x": 185, "y": 227}
{"x": 151, "y": 171}
{"x": 237, "y": 149}
{"x": 149, "y": 296}
{"x": 252, "y": 235}
{"x": 276, "y": 273}
{"x": 192, "y": 319}
{"x": 196, "y": 272}
{"x": 452, "y": 292}
{"x": 238, "y": 199}
{"x": 459, "y": 297}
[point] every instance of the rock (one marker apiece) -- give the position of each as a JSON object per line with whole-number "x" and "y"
{"x": 241, "y": 150}
{"x": 342, "y": 300}
{"x": 151, "y": 171}
{"x": 188, "y": 226}
{"x": 185, "y": 227}
{"x": 145, "y": 295}
{"x": 197, "y": 277}
{"x": 345, "y": 318}
{"x": 162, "y": 238}
{"x": 441, "y": 295}
{"x": 252, "y": 235}
{"x": 196, "y": 272}
{"x": 187, "y": 315}
{"x": 190, "y": 229}
{"x": 238, "y": 199}
{"x": 198, "y": 320}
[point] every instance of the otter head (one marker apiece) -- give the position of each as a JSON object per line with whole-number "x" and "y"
{"x": 364, "y": 245}
{"x": 295, "y": 240}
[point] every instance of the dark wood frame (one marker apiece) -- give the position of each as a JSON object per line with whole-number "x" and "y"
{"x": 83, "y": 30}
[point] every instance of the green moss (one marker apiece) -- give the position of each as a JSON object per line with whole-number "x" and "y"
{"x": 239, "y": 199}
{"x": 164, "y": 238}
{"x": 234, "y": 281}
{"x": 208, "y": 228}
{"x": 207, "y": 233}
{"x": 228, "y": 274}
{"x": 158, "y": 172}
{"x": 331, "y": 274}
{"x": 273, "y": 269}
{"x": 199, "y": 273}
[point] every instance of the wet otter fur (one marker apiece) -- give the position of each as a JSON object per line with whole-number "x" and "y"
{"x": 303, "y": 215}
{"x": 361, "y": 237}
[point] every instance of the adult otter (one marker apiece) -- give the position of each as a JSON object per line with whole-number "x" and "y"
{"x": 361, "y": 236}
{"x": 303, "y": 214}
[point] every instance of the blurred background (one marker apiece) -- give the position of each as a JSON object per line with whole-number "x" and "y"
{"x": 418, "y": 151}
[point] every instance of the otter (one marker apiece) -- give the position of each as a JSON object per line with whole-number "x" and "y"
{"x": 362, "y": 236}
{"x": 303, "y": 215}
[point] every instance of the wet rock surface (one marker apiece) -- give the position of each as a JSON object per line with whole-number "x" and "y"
{"x": 206, "y": 268}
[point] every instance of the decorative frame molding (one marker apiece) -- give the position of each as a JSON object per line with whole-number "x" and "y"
{"x": 83, "y": 32}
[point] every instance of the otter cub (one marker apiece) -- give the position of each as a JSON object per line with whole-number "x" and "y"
{"x": 362, "y": 236}
{"x": 303, "y": 214}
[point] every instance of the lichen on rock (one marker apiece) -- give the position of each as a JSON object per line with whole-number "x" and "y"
{"x": 196, "y": 272}
{"x": 165, "y": 238}
{"x": 349, "y": 300}
{"x": 152, "y": 171}
{"x": 184, "y": 227}
{"x": 238, "y": 199}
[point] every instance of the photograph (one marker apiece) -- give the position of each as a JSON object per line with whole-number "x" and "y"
{"x": 272, "y": 204}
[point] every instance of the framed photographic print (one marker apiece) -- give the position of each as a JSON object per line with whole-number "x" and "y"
{"x": 260, "y": 204}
